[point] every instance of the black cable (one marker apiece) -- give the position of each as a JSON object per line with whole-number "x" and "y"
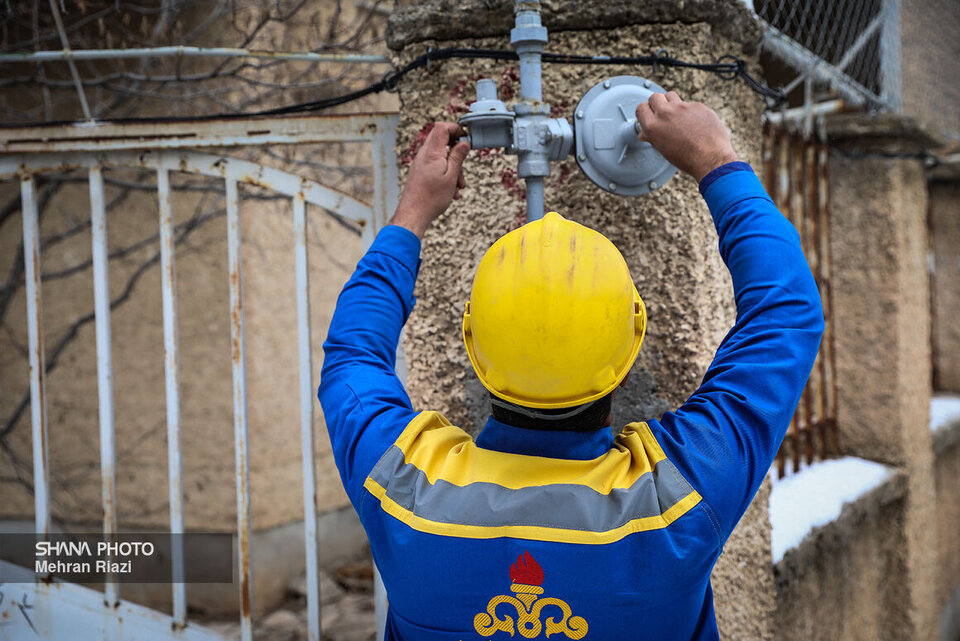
{"x": 728, "y": 67}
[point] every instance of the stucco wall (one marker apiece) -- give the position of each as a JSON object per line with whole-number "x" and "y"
{"x": 845, "y": 580}
{"x": 947, "y": 471}
{"x": 878, "y": 238}
{"x": 882, "y": 324}
{"x": 930, "y": 62}
{"x": 667, "y": 238}
{"x": 945, "y": 283}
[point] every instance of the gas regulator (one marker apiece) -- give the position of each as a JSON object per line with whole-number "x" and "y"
{"x": 603, "y": 136}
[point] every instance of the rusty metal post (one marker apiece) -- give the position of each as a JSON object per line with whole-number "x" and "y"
{"x": 830, "y": 370}
{"x": 241, "y": 433}
{"x": 171, "y": 362}
{"x": 791, "y": 207}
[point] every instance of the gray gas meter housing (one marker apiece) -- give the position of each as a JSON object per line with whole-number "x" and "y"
{"x": 605, "y": 130}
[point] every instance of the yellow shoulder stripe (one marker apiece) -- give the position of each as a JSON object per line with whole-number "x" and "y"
{"x": 442, "y": 451}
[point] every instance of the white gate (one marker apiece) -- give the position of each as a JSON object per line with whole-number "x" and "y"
{"x": 55, "y": 610}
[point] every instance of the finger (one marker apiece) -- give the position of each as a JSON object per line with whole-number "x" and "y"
{"x": 449, "y": 132}
{"x": 461, "y": 182}
{"x": 457, "y": 155}
{"x": 644, "y": 116}
{"x": 657, "y": 101}
{"x": 439, "y": 137}
{"x": 673, "y": 97}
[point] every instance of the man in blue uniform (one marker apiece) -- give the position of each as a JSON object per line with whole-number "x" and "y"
{"x": 547, "y": 525}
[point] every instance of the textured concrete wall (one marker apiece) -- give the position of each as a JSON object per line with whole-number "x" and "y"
{"x": 930, "y": 62}
{"x": 945, "y": 294}
{"x": 845, "y": 580}
{"x": 881, "y": 314}
{"x": 667, "y": 238}
{"x": 946, "y": 448}
{"x": 878, "y": 243}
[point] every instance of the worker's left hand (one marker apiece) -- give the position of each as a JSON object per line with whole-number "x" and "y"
{"x": 435, "y": 178}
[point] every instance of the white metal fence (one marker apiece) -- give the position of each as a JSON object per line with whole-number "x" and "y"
{"x": 61, "y": 611}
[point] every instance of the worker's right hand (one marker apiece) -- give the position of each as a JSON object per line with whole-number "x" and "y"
{"x": 435, "y": 178}
{"x": 688, "y": 134}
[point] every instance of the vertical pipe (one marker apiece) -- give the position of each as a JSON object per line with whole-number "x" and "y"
{"x": 528, "y": 38}
{"x": 38, "y": 402}
{"x": 306, "y": 417}
{"x": 240, "y": 432}
{"x": 535, "y": 204}
{"x": 171, "y": 351}
{"x": 101, "y": 294}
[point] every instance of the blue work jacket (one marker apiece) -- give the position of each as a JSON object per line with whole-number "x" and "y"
{"x": 533, "y": 534}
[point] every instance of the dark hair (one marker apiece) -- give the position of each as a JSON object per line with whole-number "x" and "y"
{"x": 582, "y": 418}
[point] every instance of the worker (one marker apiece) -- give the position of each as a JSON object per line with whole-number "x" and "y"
{"x": 547, "y": 525}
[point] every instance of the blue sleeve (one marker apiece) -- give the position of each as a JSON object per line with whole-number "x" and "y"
{"x": 724, "y": 438}
{"x": 364, "y": 404}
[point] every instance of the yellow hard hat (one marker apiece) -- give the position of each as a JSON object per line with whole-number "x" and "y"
{"x": 554, "y": 319}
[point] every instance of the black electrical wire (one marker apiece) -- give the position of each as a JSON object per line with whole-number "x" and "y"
{"x": 728, "y": 67}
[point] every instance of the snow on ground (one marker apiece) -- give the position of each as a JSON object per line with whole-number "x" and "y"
{"x": 815, "y": 495}
{"x": 944, "y": 410}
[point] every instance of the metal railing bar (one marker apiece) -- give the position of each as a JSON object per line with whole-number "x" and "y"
{"x": 171, "y": 364}
{"x": 38, "y": 407}
{"x": 385, "y": 180}
{"x": 108, "y": 136}
{"x": 65, "y": 43}
{"x": 306, "y": 417}
{"x": 101, "y": 293}
{"x": 207, "y": 165}
{"x": 241, "y": 432}
{"x": 188, "y": 52}
{"x": 859, "y": 43}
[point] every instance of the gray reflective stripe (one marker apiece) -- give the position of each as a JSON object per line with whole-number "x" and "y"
{"x": 561, "y": 505}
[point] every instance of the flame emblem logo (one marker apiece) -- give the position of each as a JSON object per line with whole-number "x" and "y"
{"x": 526, "y": 576}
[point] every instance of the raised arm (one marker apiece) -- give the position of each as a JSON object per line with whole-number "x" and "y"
{"x": 364, "y": 403}
{"x": 725, "y": 437}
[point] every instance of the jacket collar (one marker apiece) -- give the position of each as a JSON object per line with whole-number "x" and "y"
{"x": 562, "y": 444}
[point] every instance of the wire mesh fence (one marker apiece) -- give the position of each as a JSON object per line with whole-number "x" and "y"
{"x": 851, "y": 45}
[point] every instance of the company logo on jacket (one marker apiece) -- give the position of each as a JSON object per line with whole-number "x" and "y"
{"x": 526, "y": 577}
